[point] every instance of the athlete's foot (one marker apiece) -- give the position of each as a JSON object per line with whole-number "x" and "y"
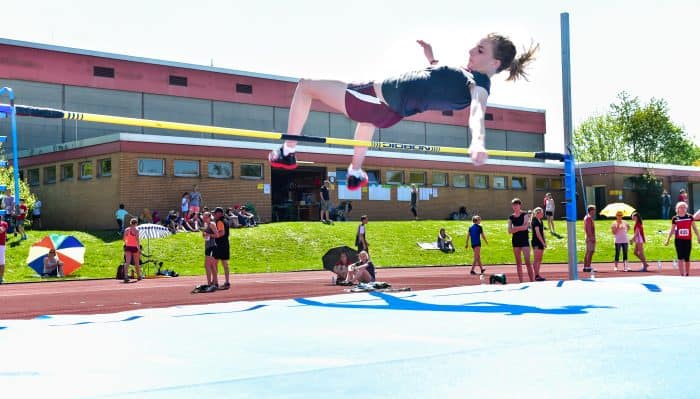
{"x": 473, "y": 273}
{"x": 357, "y": 182}
{"x": 279, "y": 160}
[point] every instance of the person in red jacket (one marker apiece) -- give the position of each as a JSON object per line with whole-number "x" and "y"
{"x": 3, "y": 239}
{"x": 21, "y": 216}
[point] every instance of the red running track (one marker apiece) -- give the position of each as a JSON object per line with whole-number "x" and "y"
{"x": 28, "y": 300}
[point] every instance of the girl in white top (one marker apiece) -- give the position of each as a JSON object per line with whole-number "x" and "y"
{"x": 549, "y": 212}
{"x": 619, "y": 230}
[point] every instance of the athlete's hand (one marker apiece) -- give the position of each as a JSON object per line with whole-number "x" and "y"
{"x": 427, "y": 50}
{"x": 478, "y": 153}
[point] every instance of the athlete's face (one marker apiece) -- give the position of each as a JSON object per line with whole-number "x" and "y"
{"x": 481, "y": 58}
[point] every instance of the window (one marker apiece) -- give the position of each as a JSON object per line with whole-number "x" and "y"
{"x": 460, "y": 181}
{"x": 447, "y": 113}
{"x": 541, "y": 183}
{"x": 50, "y": 175}
{"x": 33, "y": 177}
{"x": 186, "y": 168}
{"x": 151, "y": 167}
{"x": 518, "y": 183}
{"x": 629, "y": 184}
{"x": 556, "y": 184}
{"x": 243, "y": 88}
{"x": 251, "y": 171}
{"x": 341, "y": 175}
{"x": 499, "y": 182}
{"x": 394, "y": 177}
{"x": 67, "y": 172}
{"x": 481, "y": 181}
{"x": 439, "y": 179}
{"x": 220, "y": 170}
{"x": 417, "y": 178}
{"x": 104, "y": 167}
{"x": 178, "y": 81}
{"x": 85, "y": 170}
{"x": 488, "y": 117}
{"x": 373, "y": 176}
{"x": 103, "y": 72}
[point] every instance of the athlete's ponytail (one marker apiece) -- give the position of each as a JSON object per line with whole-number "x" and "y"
{"x": 504, "y": 51}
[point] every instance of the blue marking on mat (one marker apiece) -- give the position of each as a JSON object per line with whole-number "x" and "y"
{"x": 560, "y": 283}
{"x": 652, "y": 287}
{"x": 256, "y": 307}
{"x": 395, "y": 303}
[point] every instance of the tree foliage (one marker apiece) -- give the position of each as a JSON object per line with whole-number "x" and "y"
{"x": 7, "y": 180}
{"x": 631, "y": 131}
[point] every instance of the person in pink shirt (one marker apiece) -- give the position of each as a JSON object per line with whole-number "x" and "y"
{"x": 619, "y": 230}
{"x": 3, "y": 240}
{"x": 638, "y": 240}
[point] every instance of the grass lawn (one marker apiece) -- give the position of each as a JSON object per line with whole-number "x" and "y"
{"x": 299, "y": 246}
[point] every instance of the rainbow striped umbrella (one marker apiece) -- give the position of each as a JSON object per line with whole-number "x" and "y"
{"x": 69, "y": 250}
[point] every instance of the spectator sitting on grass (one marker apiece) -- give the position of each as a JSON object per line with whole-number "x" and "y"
{"x": 53, "y": 267}
{"x": 232, "y": 218}
{"x": 155, "y": 217}
{"x": 145, "y": 216}
{"x": 174, "y": 222}
{"x": 249, "y": 217}
{"x": 444, "y": 241}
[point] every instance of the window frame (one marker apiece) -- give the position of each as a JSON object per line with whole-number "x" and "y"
{"x": 81, "y": 175}
{"x": 46, "y": 174}
{"x": 141, "y": 173}
{"x": 251, "y": 177}
{"x": 100, "y": 167}
{"x": 499, "y": 178}
{"x": 389, "y": 179}
{"x": 212, "y": 163}
{"x": 64, "y": 167}
{"x": 423, "y": 174}
{"x": 446, "y": 180}
{"x": 477, "y": 186}
{"x": 31, "y": 182}
{"x": 455, "y": 180}
{"x": 522, "y": 181}
{"x": 177, "y": 162}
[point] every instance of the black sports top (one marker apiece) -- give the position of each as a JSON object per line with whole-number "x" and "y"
{"x": 439, "y": 88}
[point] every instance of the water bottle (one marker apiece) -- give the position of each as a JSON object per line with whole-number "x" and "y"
{"x": 627, "y": 267}
{"x": 333, "y": 280}
{"x": 481, "y": 278}
{"x": 592, "y": 274}
{"x": 658, "y": 264}
{"x": 675, "y": 264}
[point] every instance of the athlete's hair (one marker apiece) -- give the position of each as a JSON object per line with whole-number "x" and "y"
{"x": 504, "y": 51}
{"x": 639, "y": 217}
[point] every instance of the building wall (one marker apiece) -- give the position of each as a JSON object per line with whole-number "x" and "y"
{"x": 77, "y": 203}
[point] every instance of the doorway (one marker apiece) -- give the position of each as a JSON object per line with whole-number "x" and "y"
{"x": 295, "y": 193}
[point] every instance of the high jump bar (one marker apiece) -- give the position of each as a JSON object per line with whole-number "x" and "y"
{"x": 24, "y": 110}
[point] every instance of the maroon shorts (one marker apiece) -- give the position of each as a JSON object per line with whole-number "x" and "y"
{"x": 362, "y": 105}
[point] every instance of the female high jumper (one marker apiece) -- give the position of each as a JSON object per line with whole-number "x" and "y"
{"x": 382, "y": 104}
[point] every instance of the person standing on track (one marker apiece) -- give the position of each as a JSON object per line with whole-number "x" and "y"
{"x": 518, "y": 227}
{"x": 681, "y": 224}
{"x": 223, "y": 251}
{"x": 619, "y": 230}
{"x": 538, "y": 241}
{"x": 589, "y": 230}
{"x": 476, "y": 234}
{"x": 382, "y": 104}
{"x": 210, "y": 232}
{"x": 3, "y": 240}
{"x": 638, "y": 239}
{"x": 132, "y": 250}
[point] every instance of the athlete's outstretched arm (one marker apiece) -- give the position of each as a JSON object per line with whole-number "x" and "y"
{"x": 477, "y": 112}
{"x": 428, "y": 52}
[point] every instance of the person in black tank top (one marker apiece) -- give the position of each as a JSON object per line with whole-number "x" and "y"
{"x": 518, "y": 226}
{"x": 538, "y": 241}
{"x": 384, "y": 103}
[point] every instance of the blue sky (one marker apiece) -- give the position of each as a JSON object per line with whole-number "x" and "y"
{"x": 646, "y": 48}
